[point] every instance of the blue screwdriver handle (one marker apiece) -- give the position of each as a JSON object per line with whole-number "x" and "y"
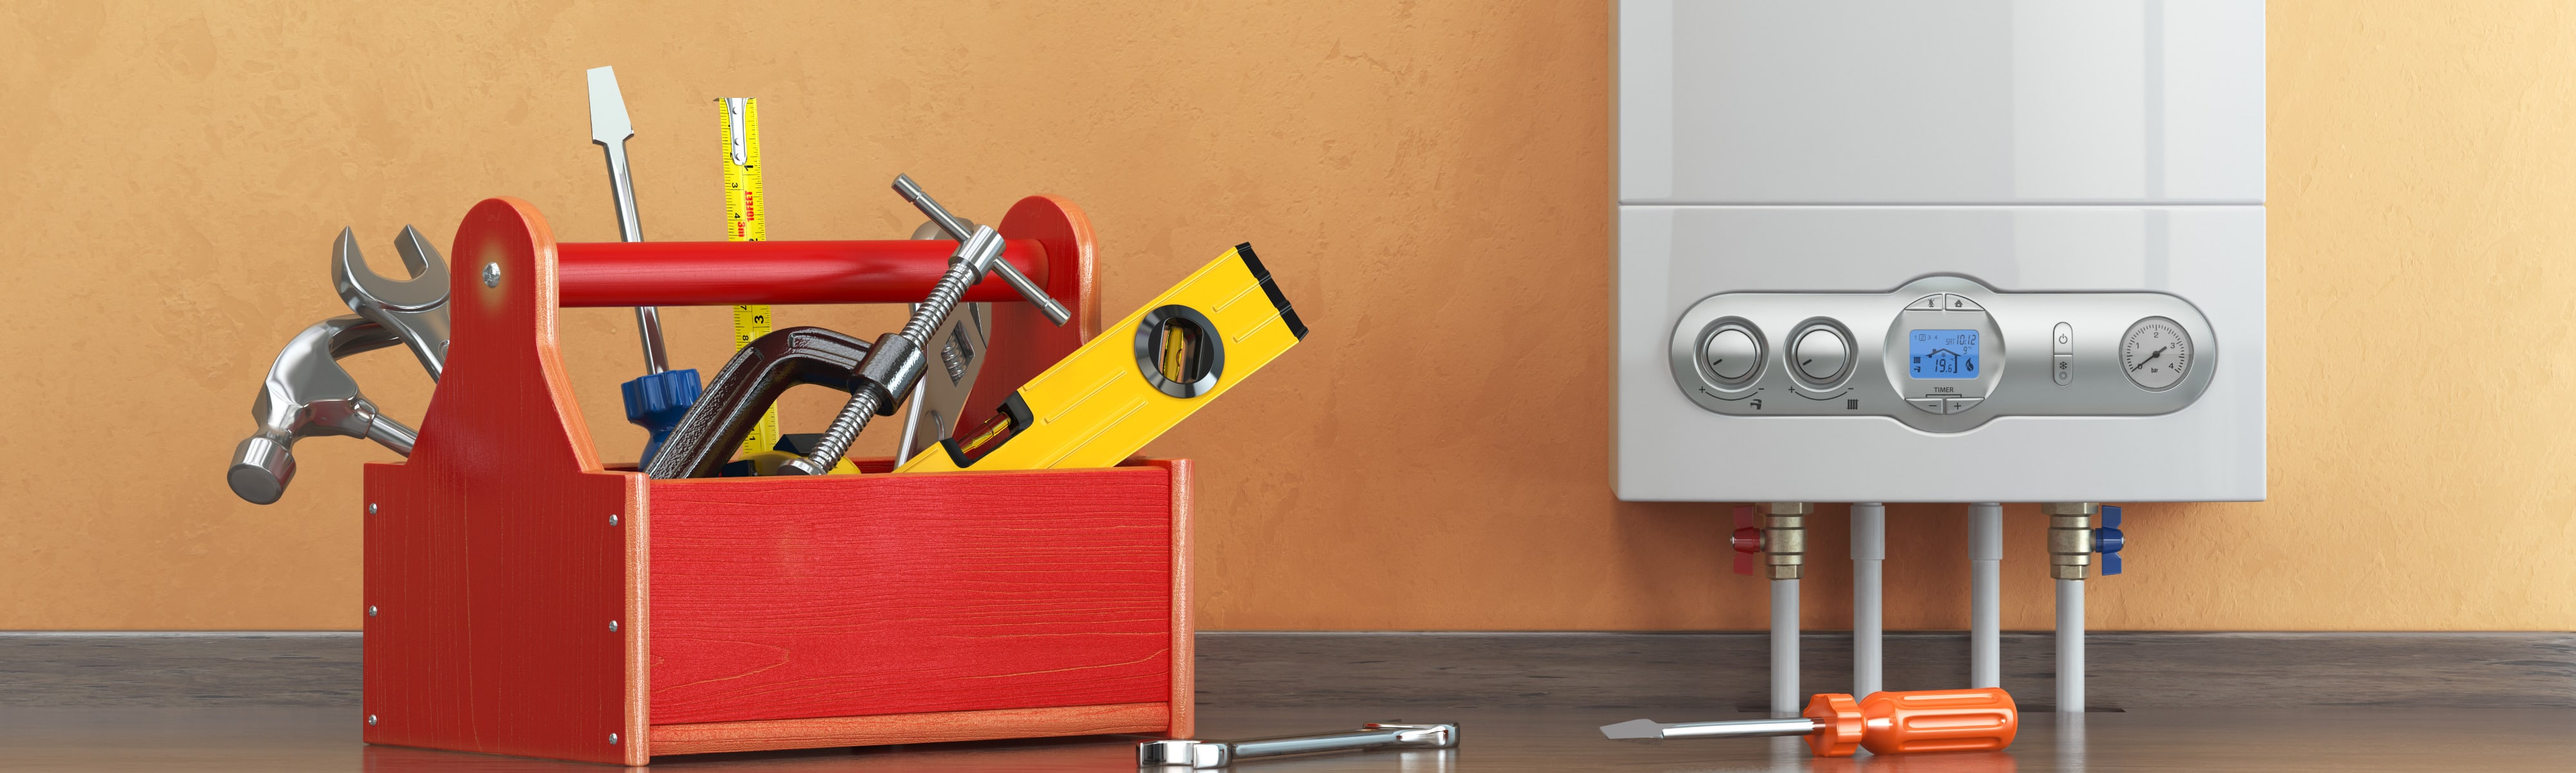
{"x": 657, "y": 402}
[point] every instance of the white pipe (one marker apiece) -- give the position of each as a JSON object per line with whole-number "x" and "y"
{"x": 2070, "y": 646}
{"x": 1985, "y": 594}
{"x": 1868, "y": 552}
{"x": 2070, "y": 743}
{"x": 1784, "y": 648}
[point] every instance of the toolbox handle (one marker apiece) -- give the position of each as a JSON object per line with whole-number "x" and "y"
{"x": 597, "y": 274}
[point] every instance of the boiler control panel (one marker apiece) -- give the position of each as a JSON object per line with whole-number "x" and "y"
{"x": 1943, "y": 354}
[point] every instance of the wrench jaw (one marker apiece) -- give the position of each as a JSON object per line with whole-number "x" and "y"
{"x": 1183, "y": 754}
{"x": 415, "y": 309}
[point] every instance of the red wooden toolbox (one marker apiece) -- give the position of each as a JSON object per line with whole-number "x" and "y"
{"x": 524, "y": 598}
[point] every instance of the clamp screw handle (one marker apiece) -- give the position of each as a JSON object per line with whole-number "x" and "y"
{"x": 957, "y": 229}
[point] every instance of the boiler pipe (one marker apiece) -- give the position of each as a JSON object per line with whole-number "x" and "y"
{"x": 1869, "y": 553}
{"x": 783, "y": 273}
{"x": 1784, "y": 648}
{"x": 1784, "y": 545}
{"x": 1985, "y": 594}
{"x": 2070, "y": 646}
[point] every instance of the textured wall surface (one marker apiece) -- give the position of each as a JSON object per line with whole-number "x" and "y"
{"x": 1429, "y": 181}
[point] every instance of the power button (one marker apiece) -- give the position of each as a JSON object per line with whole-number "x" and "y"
{"x": 2061, "y": 365}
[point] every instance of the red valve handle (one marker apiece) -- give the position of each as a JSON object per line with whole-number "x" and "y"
{"x": 1746, "y": 539}
{"x": 592, "y": 274}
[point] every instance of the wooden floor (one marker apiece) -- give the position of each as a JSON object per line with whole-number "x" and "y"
{"x": 2304, "y": 739}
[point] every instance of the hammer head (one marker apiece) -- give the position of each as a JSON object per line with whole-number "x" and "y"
{"x": 306, "y": 393}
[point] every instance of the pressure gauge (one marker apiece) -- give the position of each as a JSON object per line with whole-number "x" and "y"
{"x": 2156, "y": 353}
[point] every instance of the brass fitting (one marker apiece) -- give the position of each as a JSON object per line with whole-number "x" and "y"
{"x": 2070, "y": 538}
{"x": 1784, "y": 538}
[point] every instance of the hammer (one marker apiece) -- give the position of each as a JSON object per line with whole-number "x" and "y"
{"x": 306, "y": 394}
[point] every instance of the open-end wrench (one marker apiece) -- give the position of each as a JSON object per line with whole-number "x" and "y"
{"x": 960, "y": 344}
{"x": 656, "y": 400}
{"x": 415, "y": 310}
{"x": 307, "y": 394}
{"x": 745, "y": 388}
{"x": 1218, "y": 754}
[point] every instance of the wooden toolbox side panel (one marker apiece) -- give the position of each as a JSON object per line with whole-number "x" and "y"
{"x": 848, "y": 596}
{"x": 492, "y": 568}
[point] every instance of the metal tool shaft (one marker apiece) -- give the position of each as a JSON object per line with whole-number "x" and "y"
{"x": 610, "y": 127}
{"x": 1745, "y": 728}
{"x": 1055, "y": 312}
{"x": 630, "y": 228}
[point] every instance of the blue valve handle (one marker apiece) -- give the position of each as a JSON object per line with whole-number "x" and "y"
{"x": 2109, "y": 539}
{"x": 656, "y": 403}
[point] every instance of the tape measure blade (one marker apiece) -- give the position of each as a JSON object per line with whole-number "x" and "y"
{"x": 746, "y": 220}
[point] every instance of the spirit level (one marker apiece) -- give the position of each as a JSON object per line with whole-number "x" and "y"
{"x": 1138, "y": 378}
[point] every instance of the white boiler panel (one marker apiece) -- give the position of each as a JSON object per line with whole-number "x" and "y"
{"x": 1965, "y": 251}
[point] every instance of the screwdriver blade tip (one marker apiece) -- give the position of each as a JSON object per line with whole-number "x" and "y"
{"x": 608, "y": 121}
{"x": 1633, "y": 729}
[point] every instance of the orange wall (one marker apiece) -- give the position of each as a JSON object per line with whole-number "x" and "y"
{"x": 1429, "y": 181}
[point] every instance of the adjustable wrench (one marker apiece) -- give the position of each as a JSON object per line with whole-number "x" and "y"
{"x": 414, "y": 310}
{"x": 961, "y": 341}
{"x": 1218, "y": 754}
{"x": 307, "y": 394}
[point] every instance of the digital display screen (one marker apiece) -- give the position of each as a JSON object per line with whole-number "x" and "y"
{"x": 1942, "y": 353}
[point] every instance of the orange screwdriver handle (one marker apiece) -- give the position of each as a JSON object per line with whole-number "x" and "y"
{"x": 1981, "y": 719}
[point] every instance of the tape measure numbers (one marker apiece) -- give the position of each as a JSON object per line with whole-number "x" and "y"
{"x": 746, "y": 220}
{"x": 1137, "y": 379}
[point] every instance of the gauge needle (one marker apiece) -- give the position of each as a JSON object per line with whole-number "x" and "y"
{"x": 2151, "y": 357}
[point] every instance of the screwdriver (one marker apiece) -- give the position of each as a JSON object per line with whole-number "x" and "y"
{"x": 656, "y": 400}
{"x": 1980, "y": 719}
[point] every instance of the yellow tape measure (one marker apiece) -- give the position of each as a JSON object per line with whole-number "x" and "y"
{"x": 746, "y": 220}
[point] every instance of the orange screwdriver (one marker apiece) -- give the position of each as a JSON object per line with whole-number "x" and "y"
{"x": 1980, "y": 719}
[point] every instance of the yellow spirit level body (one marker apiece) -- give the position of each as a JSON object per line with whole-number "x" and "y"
{"x": 1137, "y": 379}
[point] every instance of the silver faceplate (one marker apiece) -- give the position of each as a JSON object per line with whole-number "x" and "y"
{"x": 2026, "y": 372}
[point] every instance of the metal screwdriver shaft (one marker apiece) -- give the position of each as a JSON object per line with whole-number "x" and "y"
{"x": 657, "y": 400}
{"x": 610, "y": 127}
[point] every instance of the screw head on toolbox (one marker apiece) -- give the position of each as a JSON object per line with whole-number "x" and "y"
{"x": 612, "y": 625}
{"x": 491, "y": 275}
{"x": 371, "y": 720}
{"x": 612, "y": 519}
{"x": 371, "y": 610}
{"x": 612, "y": 739}
{"x": 371, "y": 508}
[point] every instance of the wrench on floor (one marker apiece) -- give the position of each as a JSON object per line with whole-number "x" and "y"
{"x": 1218, "y": 754}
